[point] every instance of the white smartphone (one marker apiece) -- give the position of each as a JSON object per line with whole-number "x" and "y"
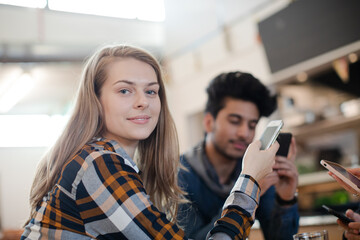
{"x": 270, "y": 134}
{"x": 349, "y": 178}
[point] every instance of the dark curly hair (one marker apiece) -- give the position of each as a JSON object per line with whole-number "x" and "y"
{"x": 239, "y": 85}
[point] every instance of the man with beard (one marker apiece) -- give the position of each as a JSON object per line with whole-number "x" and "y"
{"x": 236, "y": 102}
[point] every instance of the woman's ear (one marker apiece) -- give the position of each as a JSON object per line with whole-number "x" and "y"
{"x": 208, "y": 122}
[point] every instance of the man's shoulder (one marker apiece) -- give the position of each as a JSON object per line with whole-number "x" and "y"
{"x": 186, "y": 170}
{"x": 191, "y": 157}
{"x": 188, "y": 178}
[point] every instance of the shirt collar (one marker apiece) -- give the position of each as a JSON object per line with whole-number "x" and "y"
{"x": 114, "y": 146}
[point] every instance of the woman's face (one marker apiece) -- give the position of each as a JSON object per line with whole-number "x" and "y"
{"x": 130, "y": 101}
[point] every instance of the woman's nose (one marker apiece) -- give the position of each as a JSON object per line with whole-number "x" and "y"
{"x": 141, "y": 101}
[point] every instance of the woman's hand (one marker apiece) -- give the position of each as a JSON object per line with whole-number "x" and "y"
{"x": 266, "y": 182}
{"x": 259, "y": 163}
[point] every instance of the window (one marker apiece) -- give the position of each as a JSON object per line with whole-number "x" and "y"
{"x": 30, "y": 130}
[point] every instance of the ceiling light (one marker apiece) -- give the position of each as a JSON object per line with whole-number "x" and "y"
{"x": 353, "y": 57}
{"x": 302, "y": 77}
{"x": 148, "y": 10}
{"x": 341, "y": 67}
{"x": 25, "y": 3}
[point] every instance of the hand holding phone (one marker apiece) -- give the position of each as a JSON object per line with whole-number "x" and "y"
{"x": 270, "y": 134}
{"x": 351, "y": 180}
{"x": 339, "y": 215}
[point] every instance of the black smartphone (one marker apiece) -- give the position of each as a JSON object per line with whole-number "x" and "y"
{"x": 339, "y": 215}
{"x": 284, "y": 140}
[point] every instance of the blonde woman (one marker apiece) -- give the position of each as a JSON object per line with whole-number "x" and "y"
{"x": 88, "y": 185}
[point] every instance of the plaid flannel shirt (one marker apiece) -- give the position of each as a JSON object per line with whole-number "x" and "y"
{"x": 100, "y": 195}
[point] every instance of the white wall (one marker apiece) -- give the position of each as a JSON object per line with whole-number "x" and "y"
{"x": 17, "y": 168}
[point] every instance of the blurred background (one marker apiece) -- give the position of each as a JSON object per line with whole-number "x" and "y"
{"x": 305, "y": 51}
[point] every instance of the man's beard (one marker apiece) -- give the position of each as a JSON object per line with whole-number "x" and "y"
{"x": 224, "y": 154}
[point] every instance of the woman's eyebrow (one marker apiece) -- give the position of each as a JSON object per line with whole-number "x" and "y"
{"x": 132, "y": 83}
{"x": 123, "y": 81}
{"x": 153, "y": 83}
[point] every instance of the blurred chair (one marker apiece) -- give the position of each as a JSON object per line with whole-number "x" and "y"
{"x": 11, "y": 234}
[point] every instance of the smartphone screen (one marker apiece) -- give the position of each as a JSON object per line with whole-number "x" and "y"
{"x": 270, "y": 134}
{"x": 284, "y": 140}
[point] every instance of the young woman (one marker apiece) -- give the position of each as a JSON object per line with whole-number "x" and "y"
{"x": 88, "y": 185}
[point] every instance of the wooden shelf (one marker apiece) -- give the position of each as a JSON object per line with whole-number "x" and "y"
{"x": 314, "y": 178}
{"x": 325, "y": 126}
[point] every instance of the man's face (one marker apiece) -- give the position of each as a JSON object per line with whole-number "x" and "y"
{"x": 234, "y": 127}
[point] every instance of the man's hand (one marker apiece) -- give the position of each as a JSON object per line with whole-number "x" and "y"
{"x": 354, "y": 171}
{"x": 352, "y": 229}
{"x": 288, "y": 174}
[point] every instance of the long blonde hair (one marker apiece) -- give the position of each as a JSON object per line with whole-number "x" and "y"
{"x": 158, "y": 155}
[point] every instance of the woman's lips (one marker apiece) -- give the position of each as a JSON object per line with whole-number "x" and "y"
{"x": 139, "y": 119}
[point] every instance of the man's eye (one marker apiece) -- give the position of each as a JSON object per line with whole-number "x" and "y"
{"x": 252, "y": 127}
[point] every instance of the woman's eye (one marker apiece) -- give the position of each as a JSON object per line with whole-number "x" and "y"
{"x": 151, "y": 92}
{"x": 124, "y": 91}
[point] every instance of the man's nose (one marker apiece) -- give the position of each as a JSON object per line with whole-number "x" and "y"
{"x": 243, "y": 130}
